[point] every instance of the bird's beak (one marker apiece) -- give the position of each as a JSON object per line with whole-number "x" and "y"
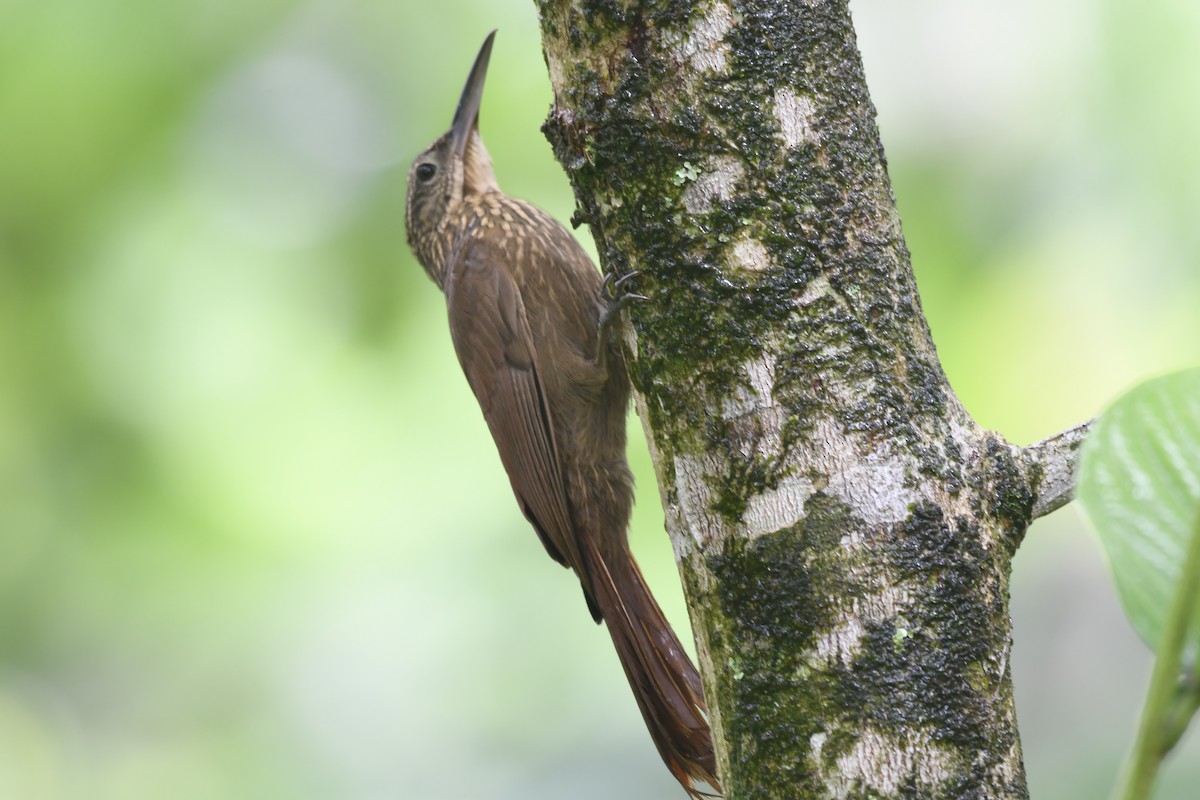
{"x": 466, "y": 118}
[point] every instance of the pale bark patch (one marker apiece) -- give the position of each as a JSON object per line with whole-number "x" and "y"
{"x": 751, "y": 254}
{"x": 882, "y": 765}
{"x": 766, "y": 512}
{"x": 694, "y": 494}
{"x": 872, "y": 483}
{"x": 715, "y": 184}
{"x": 814, "y": 291}
{"x": 756, "y": 395}
{"x": 841, "y": 643}
{"x": 875, "y": 489}
{"x": 778, "y": 508}
{"x": 877, "y": 762}
{"x": 796, "y": 117}
{"x": 704, "y": 47}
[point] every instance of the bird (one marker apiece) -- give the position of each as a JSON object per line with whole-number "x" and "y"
{"x": 532, "y": 323}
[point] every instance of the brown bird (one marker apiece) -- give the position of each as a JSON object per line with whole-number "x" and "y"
{"x": 529, "y": 317}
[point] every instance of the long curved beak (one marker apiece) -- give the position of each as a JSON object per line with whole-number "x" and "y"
{"x": 466, "y": 118}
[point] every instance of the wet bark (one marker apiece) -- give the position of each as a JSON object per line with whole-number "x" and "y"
{"x": 844, "y": 529}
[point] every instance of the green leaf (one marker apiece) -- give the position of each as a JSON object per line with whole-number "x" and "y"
{"x": 1139, "y": 483}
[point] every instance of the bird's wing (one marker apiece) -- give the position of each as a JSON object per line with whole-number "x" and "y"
{"x": 495, "y": 346}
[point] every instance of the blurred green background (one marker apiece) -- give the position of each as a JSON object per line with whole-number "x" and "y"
{"x": 254, "y": 539}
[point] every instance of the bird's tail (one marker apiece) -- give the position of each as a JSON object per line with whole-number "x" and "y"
{"x": 663, "y": 679}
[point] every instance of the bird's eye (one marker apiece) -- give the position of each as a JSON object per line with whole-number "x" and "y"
{"x": 426, "y": 172}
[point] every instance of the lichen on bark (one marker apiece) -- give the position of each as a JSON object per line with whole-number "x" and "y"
{"x": 844, "y": 528}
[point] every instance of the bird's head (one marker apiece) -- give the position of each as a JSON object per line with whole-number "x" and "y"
{"x": 455, "y": 166}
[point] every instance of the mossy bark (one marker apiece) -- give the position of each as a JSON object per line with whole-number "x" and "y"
{"x": 844, "y": 528}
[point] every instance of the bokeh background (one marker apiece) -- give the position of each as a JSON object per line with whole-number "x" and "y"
{"x": 254, "y": 539}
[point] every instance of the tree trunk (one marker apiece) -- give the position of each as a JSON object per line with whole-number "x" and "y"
{"x": 843, "y": 527}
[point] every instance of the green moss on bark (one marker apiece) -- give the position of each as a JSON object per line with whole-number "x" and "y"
{"x": 776, "y": 597}
{"x": 629, "y": 132}
{"x": 773, "y": 597}
{"x": 834, "y": 313}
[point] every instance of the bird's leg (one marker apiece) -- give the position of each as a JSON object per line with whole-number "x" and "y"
{"x": 613, "y": 298}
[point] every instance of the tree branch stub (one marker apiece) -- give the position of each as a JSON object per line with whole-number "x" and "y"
{"x": 1053, "y": 463}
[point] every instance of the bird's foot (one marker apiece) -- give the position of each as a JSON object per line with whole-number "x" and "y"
{"x": 613, "y": 298}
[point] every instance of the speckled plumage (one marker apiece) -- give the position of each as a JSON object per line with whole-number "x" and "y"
{"x": 525, "y": 311}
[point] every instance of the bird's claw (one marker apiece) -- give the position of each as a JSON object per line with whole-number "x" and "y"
{"x": 613, "y": 298}
{"x": 611, "y": 281}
